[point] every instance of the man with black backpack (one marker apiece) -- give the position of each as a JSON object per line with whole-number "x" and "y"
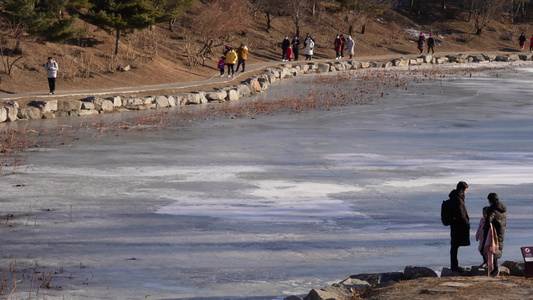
{"x": 460, "y": 224}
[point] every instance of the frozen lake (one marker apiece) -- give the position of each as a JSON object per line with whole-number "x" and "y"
{"x": 277, "y": 205}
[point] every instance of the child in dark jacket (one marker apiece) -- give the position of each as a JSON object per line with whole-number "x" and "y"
{"x": 221, "y": 65}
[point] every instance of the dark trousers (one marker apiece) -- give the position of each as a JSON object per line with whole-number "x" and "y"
{"x": 231, "y": 70}
{"x": 52, "y": 84}
{"x": 453, "y": 256}
{"x": 431, "y": 48}
{"x": 243, "y": 61}
{"x": 222, "y": 71}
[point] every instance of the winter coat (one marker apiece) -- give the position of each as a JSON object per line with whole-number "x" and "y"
{"x": 350, "y": 44}
{"x": 522, "y": 39}
{"x": 288, "y": 52}
{"x": 338, "y": 44}
{"x": 496, "y": 215}
{"x": 242, "y": 53}
{"x": 51, "y": 69}
{"x": 421, "y": 41}
{"x": 285, "y": 44}
{"x": 231, "y": 57}
{"x": 431, "y": 42}
{"x": 460, "y": 227}
{"x": 221, "y": 64}
{"x": 309, "y": 47}
{"x": 295, "y": 44}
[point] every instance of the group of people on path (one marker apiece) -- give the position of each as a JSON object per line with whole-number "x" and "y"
{"x": 522, "y": 42}
{"x": 291, "y": 49}
{"x": 341, "y": 43}
{"x": 429, "y": 41}
{"x": 490, "y": 233}
{"x": 231, "y": 57}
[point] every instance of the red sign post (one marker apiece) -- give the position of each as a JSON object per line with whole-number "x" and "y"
{"x": 527, "y": 253}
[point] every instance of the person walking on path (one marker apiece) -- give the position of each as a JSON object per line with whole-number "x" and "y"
{"x": 350, "y": 43}
{"x": 522, "y": 40}
{"x": 460, "y": 227}
{"x": 431, "y": 44}
{"x": 338, "y": 47}
{"x": 494, "y": 230}
{"x": 343, "y": 45}
{"x": 284, "y": 45}
{"x": 295, "y": 47}
{"x": 51, "y": 72}
{"x": 222, "y": 65}
{"x": 231, "y": 59}
{"x": 421, "y": 42}
{"x": 531, "y": 44}
{"x": 242, "y": 55}
{"x": 309, "y": 45}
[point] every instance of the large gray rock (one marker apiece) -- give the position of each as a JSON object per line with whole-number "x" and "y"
{"x": 489, "y": 57}
{"x": 292, "y": 298}
{"x": 316, "y": 294}
{"x": 216, "y": 96}
{"x": 356, "y": 284}
{"x": 233, "y": 95}
{"x": 132, "y": 102}
{"x": 3, "y": 114}
{"x": 101, "y": 104}
{"x": 87, "y": 105}
{"x": 340, "y": 66}
{"x": 525, "y": 57}
{"x": 244, "y": 90}
{"x": 160, "y": 102}
{"x": 515, "y": 268}
{"x": 285, "y": 73}
{"x": 412, "y": 272}
{"x": 29, "y": 113}
{"x": 254, "y": 85}
{"x": 171, "y": 101}
{"x": 68, "y": 105}
{"x": 323, "y": 68}
{"x": 514, "y": 57}
{"x": 427, "y": 58}
{"x": 447, "y": 272}
{"x": 380, "y": 279}
{"x": 12, "y": 113}
{"x": 365, "y": 64}
{"x": 117, "y": 101}
{"x": 45, "y": 106}
{"x": 88, "y": 112}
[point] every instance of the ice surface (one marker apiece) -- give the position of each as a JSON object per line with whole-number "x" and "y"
{"x": 280, "y": 204}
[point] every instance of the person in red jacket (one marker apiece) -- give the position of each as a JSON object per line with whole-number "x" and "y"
{"x": 338, "y": 46}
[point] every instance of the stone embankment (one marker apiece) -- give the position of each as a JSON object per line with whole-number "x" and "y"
{"x": 356, "y": 285}
{"x": 49, "y": 109}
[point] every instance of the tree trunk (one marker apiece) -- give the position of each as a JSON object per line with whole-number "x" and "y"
{"x": 117, "y": 38}
{"x": 269, "y": 21}
{"x": 444, "y": 4}
{"x": 171, "y": 24}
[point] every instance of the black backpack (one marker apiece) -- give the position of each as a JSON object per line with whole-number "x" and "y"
{"x": 446, "y": 215}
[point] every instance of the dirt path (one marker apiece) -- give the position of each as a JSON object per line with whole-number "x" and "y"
{"x": 501, "y": 287}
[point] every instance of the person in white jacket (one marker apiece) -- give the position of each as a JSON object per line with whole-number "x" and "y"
{"x": 51, "y": 72}
{"x": 309, "y": 45}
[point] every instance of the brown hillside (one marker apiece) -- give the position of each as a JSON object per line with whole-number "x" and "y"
{"x": 158, "y": 56}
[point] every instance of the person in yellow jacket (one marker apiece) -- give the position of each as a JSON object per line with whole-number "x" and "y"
{"x": 231, "y": 59}
{"x": 242, "y": 54}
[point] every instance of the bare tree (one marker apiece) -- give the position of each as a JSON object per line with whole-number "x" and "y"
{"x": 271, "y": 9}
{"x": 11, "y": 34}
{"x": 482, "y": 11}
{"x": 362, "y": 11}
{"x": 211, "y": 26}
